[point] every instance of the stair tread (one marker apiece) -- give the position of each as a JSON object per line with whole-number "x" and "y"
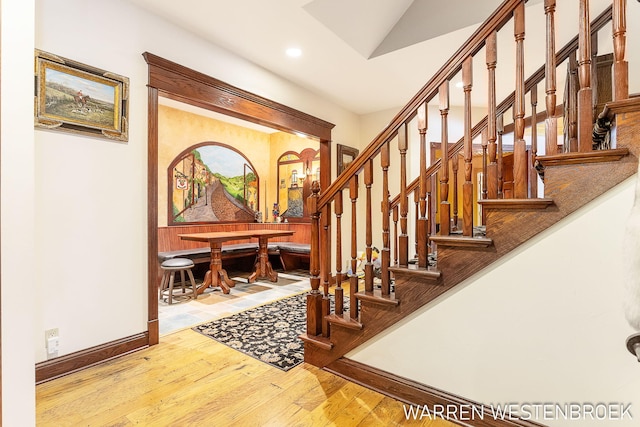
{"x": 535, "y": 203}
{"x": 573, "y": 158}
{"x": 462, "y": 241}
{"x": 343, "y": 320}
{"x": 377, "y": 297}
{"x": 430, "y": 271}
{"x": 322, "y": 342}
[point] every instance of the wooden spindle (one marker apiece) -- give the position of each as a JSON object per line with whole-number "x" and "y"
{"x": 395, "y": 234}
{"x": 571, "y": 143}
{"x": 485, "y": 166}
{"x": 492, "y": 168}
{"x": 325, "y": 270}
{"x": 339, "y": 292}
{"x": 314, "y": 298}
{"x": 431, "y": 223}
{"x": 353, "y": 280}
{"x": 520, "y": 161}
{"x": 454, "y": 185}
{"x": 467, "y": 187}
{"x": 416, "y": 214}
{"x": 445, "y": 209}
{"x": 620, "y": 64}
{"x": 499, "y": 169}
{"x": 585, "y": 96}
{"x": 533, "y": 175}
{"x": 551, "y": 123}
{"x": 404, "y": 202}
{"x": 385, "y": 255}
{"x": 368, "y": 266}
{"x": 421, "y": 225}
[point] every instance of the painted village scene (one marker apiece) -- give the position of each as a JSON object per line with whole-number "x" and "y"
{"x": 214, "y": 183}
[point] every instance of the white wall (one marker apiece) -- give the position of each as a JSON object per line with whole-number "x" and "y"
{"x": 19, "y": 293}
{"x": 544, "y": 324}
{"x": 91, "y": 193}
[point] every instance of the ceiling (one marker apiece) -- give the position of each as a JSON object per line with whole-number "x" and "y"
{"x": 364, "y": 55}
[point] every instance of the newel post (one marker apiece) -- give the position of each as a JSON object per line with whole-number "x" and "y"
{"x": 314, "y": 298}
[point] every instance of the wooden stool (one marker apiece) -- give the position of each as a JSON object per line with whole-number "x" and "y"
{"x": 170, "y": 267}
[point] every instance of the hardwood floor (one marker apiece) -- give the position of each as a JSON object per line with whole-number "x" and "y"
{"x": 191, "y": 380}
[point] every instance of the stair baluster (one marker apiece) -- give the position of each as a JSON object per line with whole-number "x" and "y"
{"x": 368, "y": 266}
{"x": 485, "y": 166}
{"x": 445, "y": 209}
{"x": 551, "y": 124}
{"x": 395, "y": 234}
{"x": 500, "y": 131}
{"x": 403, "y": 241}
{"x": 620, "y": 64}
{"x": 533, "y": 174}
{"x": 339, "y": 292}
{"x": 421, "y": 223}
{"x": 467, "y": 187}
{"x": 325, "y": 270}
{"x": 520, "y": 161}
{"x": 385, "y": 255}
{"x": 353, "y": 280}
{"x": 492, "y": 168}
{"x": 585, "y": 95}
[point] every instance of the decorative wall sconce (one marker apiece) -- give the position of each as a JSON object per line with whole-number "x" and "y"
{"x": 633, "y": 342}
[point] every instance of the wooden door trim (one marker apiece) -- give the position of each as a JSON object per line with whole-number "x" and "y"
{"x": 183, "y": 84}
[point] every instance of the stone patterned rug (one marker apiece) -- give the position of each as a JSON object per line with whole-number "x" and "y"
{"x": 268, "y": 333}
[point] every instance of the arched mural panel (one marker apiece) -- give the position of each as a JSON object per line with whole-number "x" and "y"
{"x": 212, "y": 182}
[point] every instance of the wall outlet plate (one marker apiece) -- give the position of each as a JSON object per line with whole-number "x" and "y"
{"x": 50, "y": 333}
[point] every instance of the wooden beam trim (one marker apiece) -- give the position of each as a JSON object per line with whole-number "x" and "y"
{"x": 216, "y": 95}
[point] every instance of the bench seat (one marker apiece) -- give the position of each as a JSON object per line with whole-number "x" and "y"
{"x": 294, "y": 255}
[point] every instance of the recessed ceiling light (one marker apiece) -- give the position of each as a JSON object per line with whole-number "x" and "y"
{"x": 294, "y": 52}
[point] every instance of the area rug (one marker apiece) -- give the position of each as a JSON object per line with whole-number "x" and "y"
{"x": 268, "y": 333}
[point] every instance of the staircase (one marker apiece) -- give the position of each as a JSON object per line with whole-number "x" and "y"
{"x": 474, "y": 199}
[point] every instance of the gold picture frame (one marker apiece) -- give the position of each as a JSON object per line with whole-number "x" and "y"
{"x": 346, "y": 155}
{"x": 75, "y": 97}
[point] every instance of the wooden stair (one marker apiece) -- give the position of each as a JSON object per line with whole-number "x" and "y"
{"x": 571, "y": 181}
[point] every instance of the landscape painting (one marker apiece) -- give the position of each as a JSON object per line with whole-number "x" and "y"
{"x": 212, "y": 183}
{"x": 78, "y": 98}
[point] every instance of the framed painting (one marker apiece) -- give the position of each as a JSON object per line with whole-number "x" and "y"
{"x": 74, "y": 97}
{"x": 346, "y": 155}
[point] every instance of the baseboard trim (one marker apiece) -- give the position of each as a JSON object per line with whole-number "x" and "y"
{"x": 414, "y": 393}
{"x": 64, "y": 365}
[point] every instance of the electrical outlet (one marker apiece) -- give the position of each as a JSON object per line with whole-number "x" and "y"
{"x": 50, "y": 333}
{"x": 51, "y": 341}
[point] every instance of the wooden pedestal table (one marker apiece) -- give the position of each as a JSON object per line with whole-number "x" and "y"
{"x": 217, "y": 276}
{"x": 263, "y": 268}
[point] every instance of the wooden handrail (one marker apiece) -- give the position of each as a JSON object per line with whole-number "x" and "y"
{"x": 473, "y": 45}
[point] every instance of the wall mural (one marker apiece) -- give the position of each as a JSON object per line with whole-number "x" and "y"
{"x": 212, "y": 182}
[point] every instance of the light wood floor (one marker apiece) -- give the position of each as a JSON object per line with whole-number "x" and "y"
{"x": 191, "y": 380}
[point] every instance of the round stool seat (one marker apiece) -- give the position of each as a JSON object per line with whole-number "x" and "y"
{"x": 171, "y": 267}
{"x": 177, "y": 263}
